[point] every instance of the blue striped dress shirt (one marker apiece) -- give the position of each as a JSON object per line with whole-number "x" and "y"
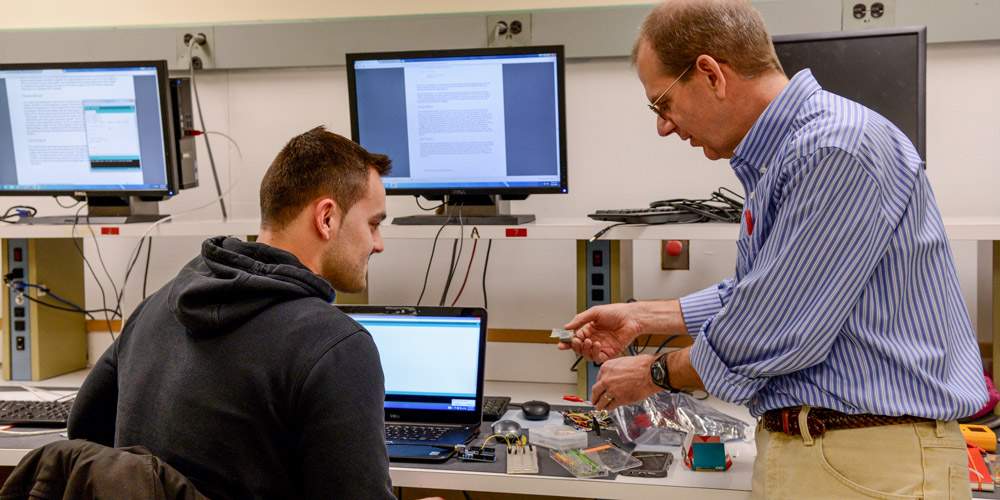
{"x": 845, "y": 294}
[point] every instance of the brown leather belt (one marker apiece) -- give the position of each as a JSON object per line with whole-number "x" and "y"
{"x": 820, "y": 420}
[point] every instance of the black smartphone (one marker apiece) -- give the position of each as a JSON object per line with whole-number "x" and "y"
{"x": 654, "y": 464}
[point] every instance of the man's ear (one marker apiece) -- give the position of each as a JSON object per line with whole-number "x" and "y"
{"x": 709, "y": 68}
{"x": 327, "y": 218}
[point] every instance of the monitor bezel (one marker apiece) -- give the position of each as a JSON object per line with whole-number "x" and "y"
{"x": 921, "y": 35}
{"x": 166, "y": 126}
{"x": 504, "y": 192}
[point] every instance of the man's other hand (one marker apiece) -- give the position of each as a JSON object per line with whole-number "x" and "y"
{"x": 603, "y": 332}
{"x": 623, "y": 381}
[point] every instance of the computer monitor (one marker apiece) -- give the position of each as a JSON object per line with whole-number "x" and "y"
{"x": 100, "y": 131}
{"x": 884, "y": 69}
{"x": 472, "y": 127}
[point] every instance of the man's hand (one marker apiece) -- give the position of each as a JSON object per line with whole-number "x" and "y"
{"x": 623, "y": 381}
{"x": 603, "y": 332}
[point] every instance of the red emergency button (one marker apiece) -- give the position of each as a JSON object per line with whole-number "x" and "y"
{"x": 674, "y": 248}
{"x": 17, "y": 255}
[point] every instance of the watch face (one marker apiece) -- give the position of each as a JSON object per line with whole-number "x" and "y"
{"x": 657, "y": 371}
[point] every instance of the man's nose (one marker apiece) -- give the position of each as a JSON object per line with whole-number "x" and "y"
{"x": 665, "y": 126}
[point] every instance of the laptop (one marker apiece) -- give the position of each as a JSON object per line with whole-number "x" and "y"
{"x": 433, "y": 360}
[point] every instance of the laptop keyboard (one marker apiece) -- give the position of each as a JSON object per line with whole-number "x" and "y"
{"x": 395, "y": 432}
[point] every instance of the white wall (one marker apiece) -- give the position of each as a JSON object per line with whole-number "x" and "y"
{"x": 63, "y": 14}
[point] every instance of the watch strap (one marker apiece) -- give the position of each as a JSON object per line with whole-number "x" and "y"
{"x": 661, "y": 360}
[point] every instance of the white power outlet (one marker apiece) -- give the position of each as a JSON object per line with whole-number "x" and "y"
{"x": 508, "y": 30}
{"x": 203, "y": 54}
{"x": 866, "y": 14}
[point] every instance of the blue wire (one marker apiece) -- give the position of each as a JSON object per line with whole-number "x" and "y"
{"x": 665, "y": 342}
{"x": 630, "y": 351}
{"x": 54, "y": 296}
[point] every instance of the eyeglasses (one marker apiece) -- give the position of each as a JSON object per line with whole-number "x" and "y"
{"x": 656, "y": 109}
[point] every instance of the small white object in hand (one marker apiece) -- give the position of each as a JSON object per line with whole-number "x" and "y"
{"x": 563, "y": 335}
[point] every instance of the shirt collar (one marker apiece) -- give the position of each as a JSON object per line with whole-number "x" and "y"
{"x": 766, "y": 133}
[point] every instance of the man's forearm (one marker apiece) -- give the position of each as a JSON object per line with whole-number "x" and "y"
{"x": 682, "y": 373}
{"x": 662, "y": 317}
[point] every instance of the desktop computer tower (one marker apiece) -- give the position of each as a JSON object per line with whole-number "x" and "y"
{"x": 40, "y": 342}
{"x": 187, "y": 159}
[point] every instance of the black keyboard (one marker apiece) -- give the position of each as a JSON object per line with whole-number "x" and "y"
{"x": 660, "y": 215}
{"x": 494, "y": 407}
{"x": 35, "y": 413}
{"x": 396, "y": 432}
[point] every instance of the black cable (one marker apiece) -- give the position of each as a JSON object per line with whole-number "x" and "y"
{"x": 208, "y": 144}
{"x": 451, "y": 267}
{"x": 486, "y": 303}
{"x": 575, "y": 363}
{"x": 100, "y": 258}
{"x": 67, "y": 206}
{"x": 454, "y": 263}
{"x": 602, "y": 231}
{"x": 145, "y": 276}
{"x": 431, "y": 260}
{"x": 104, "y": 297}
{"x": 29, "y": 212}
{"x": 118, "y": 303}
{"x": 417, "y": 198}
{"x": 466, "y": 494}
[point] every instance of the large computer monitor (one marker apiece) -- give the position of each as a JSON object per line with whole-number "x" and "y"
{"x": 883, "y": 69}
{"x": 473, "y": 127}
{"x": 99, "y": 130}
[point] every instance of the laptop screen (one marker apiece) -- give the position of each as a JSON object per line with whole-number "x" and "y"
{"x": 432, "y": 359}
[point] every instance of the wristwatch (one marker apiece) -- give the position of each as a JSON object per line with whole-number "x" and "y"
{"x": 661, "y": 375}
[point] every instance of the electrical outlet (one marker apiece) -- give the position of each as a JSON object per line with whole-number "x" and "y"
{"x": 865, "y": 14}
{"x": 203, "y": 55}
{"x": 508, "y": 30}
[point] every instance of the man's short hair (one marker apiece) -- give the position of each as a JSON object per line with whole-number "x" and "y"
{"x": 731, "y": 31}
{"x": 314, "y": 164}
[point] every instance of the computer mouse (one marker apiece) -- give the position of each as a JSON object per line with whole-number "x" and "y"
{"x": 506, "y": 427}
{"x": 535, "y": 410}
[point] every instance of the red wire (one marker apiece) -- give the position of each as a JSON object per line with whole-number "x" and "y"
{"x": 474, "y": 243}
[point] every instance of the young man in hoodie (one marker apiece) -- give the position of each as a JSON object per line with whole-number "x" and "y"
{"x": 238, "y": 372}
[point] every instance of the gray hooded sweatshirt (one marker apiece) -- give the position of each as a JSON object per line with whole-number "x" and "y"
{"x": 241, "y": 375}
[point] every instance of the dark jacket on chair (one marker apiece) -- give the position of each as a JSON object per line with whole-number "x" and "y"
{"x": 81, "y": 470}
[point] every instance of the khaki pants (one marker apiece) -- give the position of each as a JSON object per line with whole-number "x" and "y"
{"x": 925, "y": 460}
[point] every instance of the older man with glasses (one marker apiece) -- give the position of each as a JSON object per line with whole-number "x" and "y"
{"x": 843, "y": 328}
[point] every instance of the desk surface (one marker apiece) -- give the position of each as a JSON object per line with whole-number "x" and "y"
{"x": 680, "y": 483}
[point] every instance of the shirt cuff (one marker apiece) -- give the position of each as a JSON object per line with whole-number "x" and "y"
{"x": 699, "y": 307}
{"x": 720, "y": 381}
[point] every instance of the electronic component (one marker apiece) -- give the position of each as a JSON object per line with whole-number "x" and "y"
{"x": 474, "y": 454}
{"x": 980, "y": 435}
{"x": 578, "y": 463}
{"x": 563, "y": 335}
{"x": 522, "y": 458}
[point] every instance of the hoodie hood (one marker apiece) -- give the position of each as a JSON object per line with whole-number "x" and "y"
{"x": 233, "y": 281}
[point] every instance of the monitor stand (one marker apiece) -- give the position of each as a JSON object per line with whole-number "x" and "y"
{"x": 106, "y": 210}
{"x": 497, "y": 214}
